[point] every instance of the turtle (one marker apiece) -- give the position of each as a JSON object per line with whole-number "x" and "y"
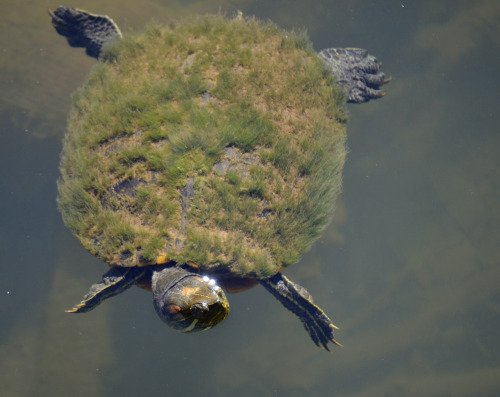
{"x": 204, "y": 157}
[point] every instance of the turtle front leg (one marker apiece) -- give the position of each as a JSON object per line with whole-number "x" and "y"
{"x": 115, "y": 281}
{"x": 83, "y": 29}
{"x": 296, "y": 299}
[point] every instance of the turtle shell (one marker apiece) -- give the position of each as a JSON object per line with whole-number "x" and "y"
{"x": 213, "y": 142}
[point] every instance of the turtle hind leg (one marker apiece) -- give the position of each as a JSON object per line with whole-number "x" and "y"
{"x": 115, "y": 281}
{"x": 357, "y": 72}
{"x": 296, "y": 299}
{"x": 83, "y": 29}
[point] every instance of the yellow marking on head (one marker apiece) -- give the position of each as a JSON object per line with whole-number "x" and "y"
{"x": 187, "y": 291}
{"x": 191, "y": 326}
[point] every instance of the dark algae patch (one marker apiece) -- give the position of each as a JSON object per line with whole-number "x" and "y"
{"x": 214, "y": 141}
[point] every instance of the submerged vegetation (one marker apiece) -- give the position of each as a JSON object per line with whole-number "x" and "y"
{"x": 246, "y": 111}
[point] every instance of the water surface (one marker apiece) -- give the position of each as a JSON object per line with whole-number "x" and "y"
{"x": 408, "y": 269}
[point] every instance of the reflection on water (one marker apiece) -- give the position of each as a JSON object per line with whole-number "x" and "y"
{"x": 408, "y": 270}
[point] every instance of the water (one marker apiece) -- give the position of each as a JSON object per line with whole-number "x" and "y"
{"x": 408, "y": 269}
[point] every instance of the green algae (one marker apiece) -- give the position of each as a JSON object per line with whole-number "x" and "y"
{"x": 245, "y": 109}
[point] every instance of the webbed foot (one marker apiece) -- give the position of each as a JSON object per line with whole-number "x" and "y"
{"x": 83, "y": 29}
{"x": 357, "y": 72}
{"x": 115, "y": 281}
{"x": 296, "y": 299}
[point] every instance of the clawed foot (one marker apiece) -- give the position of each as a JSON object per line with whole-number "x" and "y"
{"x": 84, "y": 29}
{"x": 357, "y": 72}
{"x": 296, "y": 299}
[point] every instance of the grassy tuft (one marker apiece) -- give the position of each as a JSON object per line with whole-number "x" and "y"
{"x": 244, "y": 110}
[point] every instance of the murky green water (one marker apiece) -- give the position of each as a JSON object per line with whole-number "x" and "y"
{"x": 409, "y": 269}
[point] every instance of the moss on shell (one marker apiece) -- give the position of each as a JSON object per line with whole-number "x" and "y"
{"x": 246, "y": 110}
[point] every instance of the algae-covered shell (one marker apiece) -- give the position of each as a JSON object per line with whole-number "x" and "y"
{"x": 212, "y": 142}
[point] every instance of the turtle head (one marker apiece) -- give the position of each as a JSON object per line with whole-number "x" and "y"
{"x": 187, "y": 301}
